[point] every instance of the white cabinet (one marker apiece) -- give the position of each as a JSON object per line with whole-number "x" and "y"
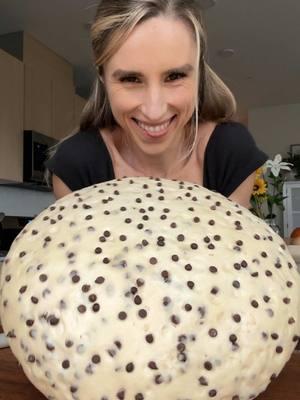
{"x": 291, "y": 214}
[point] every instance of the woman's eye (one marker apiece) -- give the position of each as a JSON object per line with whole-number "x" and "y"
{"x": 130, "y": 79}
{"x": 175, "y": 76}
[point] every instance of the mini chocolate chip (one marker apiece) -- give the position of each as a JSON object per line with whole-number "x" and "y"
{"x": 92, "y": 298}
{"x": 286, "y": 300}
{"x": 188, "y": 267}
{"x": 140, "y": 282}
{"x": 254, "y": 304}
{"x": 142, "y": 313}
{"x": 166, "y": 300}
{"x": 96, "y": 359}
{"x": 118, "y": 344}
{"x": 149, "y": 338}
{"x": 31, "y": 358}
{"x": 100, "y": 280}
{"x": 75, "y": 278}
{"x": 130, "y": 367}
{"x": 213, "y": 332}
{"x": 86, "y": 288}
{"x": 190, "y": 284}
{"x": 34, "y": 300}
{"x": 274, "y": 336}
{"x": 279, "y": 349}
{"x": 69, "y": 343}
{"x": 236, "y": 318}
{"x": 43, "y": 277}
{"x": 233, "y": 338}
{"x": 175, "y": 319}
{"x": 153, "y": 260}
{"x": 212, "y": 393}
{"x": 139, "y": 396}
{"x": 122, "y": 315}
{"x": 81, "y": 309}
{"x": 208, "y": 365}
{"x": 214, "y": 290}
{"x": 121, "y": 395}
{"x": 23, "y": 289}
{"x": 203, "y": 381}
{"x": 98, "y": 250}
{"x": 236, "y": 284}
{"x": 267, "y": 299}
{"x": 187, "y": 307}
{"x": 213, "y": 269}
{"x": 137, "y": 300}
{"x": 66, "y": 364}
{"x": 152, "y": 365}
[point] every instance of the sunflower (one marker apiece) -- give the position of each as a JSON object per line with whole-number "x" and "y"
{"x": 260, "y": 187}
{"x": 258, "y": 172}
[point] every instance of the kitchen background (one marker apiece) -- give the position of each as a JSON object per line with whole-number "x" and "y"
{"x": 46, "y": 71}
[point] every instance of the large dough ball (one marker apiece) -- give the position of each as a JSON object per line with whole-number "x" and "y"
{"x": 149, "y": 289}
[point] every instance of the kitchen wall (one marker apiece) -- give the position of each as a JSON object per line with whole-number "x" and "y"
{"x": 275, "y": 128}
{"x": 23, "y": 202}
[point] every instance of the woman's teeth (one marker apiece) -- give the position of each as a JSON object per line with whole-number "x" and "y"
{"x": 154, "y": 128}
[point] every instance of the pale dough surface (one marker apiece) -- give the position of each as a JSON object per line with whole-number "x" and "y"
{"x": 149, "y": 289}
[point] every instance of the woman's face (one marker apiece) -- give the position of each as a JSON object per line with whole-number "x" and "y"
{"x": 151, "y": 83}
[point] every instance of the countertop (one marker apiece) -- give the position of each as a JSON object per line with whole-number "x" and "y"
{"x": 15, "y": 386}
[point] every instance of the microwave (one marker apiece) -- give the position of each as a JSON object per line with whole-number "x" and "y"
{"x": 35, "y": 153}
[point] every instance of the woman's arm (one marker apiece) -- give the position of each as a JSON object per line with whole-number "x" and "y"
{"x": 60, "y": 189}
{"x": 242, "y": 193}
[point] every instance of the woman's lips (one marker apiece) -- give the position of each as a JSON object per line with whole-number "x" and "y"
{"x": 155, "y": 131}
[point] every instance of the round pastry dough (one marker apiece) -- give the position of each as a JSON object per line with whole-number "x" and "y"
{"x": 149, "y": 289}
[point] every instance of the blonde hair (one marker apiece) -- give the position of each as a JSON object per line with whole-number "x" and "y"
{"x": 113, "y": 23}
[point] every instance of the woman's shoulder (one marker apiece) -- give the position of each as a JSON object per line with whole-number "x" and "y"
{"x": 82, "y": 137}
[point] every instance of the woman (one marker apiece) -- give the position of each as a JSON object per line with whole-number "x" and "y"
{"x": 157, "y": 108}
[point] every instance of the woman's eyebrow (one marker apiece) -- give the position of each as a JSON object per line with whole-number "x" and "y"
{"x": 186, "y": 68}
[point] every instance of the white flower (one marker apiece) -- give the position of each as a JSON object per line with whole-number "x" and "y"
{"x": 277, "y": 164}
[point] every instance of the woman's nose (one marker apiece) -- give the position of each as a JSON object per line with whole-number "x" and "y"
{"x": 154, "y": 104}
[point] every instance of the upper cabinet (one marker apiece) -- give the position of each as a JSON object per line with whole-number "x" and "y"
{"x": 11, "y": 117}
{"x": 49, "y": 105}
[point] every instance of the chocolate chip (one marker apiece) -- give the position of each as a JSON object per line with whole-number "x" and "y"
{"x": 149, "y": 338}
{"x": 142, "y": 313}
{"x": 130, "y": 367}
{"x": 96, "y": 359}
{"x": 208, "y": 365}
{"x": 66, "y": 364}
{"x": 122, "y": 315}
{"x": 152, "y": 365}
{"x": 203, "y": 381}
{"x": 213, "y": 332}
{"x": 81, "y": 309}
{"x": 236, "y": 318}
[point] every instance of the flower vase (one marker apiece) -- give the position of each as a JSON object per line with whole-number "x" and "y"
{"x": 272, "y": 224}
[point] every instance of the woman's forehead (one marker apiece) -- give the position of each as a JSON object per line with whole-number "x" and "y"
{"x": 159, "y": 43}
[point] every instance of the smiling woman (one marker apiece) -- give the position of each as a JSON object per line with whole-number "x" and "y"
{"x": 157, "y": 108}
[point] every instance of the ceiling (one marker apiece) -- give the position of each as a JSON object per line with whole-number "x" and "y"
{"x": 265, "y": 69}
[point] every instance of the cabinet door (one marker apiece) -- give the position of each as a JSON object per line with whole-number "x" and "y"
{"x": 292, "y": 207}
{"x": 63, "y": 113}
{"x": 11, "y": 117}
{"x": 38, "y": 100}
